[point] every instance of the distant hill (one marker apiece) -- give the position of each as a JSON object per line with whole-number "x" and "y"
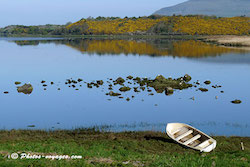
{"x": 221, "y": 8}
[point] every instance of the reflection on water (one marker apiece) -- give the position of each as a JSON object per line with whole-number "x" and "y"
{"x": 55, "y": 60}
{"x": 188, "y": 48}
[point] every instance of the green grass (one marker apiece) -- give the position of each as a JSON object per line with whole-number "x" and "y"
{"x": 117, "y": 149}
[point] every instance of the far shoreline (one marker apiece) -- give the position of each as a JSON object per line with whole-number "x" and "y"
{"x": 229, "y": 41}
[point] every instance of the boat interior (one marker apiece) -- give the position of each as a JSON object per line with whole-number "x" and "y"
{"x": 191, "y": 137}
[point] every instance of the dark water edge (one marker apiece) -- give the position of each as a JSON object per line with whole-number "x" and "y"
{"x": 184, "y": 37}
{"x": 205, "y": 127}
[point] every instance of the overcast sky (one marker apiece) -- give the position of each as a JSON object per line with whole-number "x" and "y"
{"x": 35, "y": 12}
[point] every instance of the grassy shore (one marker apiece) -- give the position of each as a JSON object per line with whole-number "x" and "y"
{"x": 116, "y": 149}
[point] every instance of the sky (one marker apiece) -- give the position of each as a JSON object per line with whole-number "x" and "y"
{"x": 38, "y": 12}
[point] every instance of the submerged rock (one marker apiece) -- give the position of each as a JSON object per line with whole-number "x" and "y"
{"x": 26, "y": 89}
{"x": 136, "y": 89}
{"x": 236, "y": 101}
{"x": 125, "y": 89}
{"x": 111, "y": 93}
{"x": 79, "y": 80}
{"x": 119, "y": 80}
{"x": 130, "y": 77}
{"x": 89, "y": 85}
{"x": 142, "y": 88}
{"x": 207, "y": 82}
{"x": 203, "y": 89}
{"x": 17, "y": 83}
{"x": 100, "y": 82}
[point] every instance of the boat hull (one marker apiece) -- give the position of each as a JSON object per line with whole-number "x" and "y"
{"x": 190, "y": 137}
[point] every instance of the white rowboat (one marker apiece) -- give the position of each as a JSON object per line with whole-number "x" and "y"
{"x": 190, "y": 137}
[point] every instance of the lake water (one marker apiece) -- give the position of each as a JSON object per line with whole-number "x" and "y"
{"x": 34, "y": 59}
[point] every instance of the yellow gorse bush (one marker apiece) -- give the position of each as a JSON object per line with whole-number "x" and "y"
{"x": 192, "y": 25}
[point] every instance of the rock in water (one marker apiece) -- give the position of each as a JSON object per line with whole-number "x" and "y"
{"x": 26, "y": 89}
{"x": 187, "y": 78}
{"x": 236, "y": 101}
{"x": 119, "y": 80}
{"x": 17, "y": 83}
{"x": 125, "y": 89}
{"x": 203, "y": 89}
{"x": 207, "y": 82}
{"x": 169, "y": 91}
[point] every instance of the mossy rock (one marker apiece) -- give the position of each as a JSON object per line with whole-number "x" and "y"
{"x": 160, "y": 78}
{"x": 161, "y": 85}
{"x": 26, "y": 89}
{"x": 169, "y": 91}
{"x": 187, "y": 78}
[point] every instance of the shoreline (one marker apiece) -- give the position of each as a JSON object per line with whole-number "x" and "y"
{"x": 184, "y": 37}
{"x": 92, "y": 130}
{"x": 231, "y": 41}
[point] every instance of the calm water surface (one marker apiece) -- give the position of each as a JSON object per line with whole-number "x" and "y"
{"x": 33, "y": 60}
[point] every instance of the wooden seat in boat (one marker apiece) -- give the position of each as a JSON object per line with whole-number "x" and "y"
{"x": 184, "y": 135}
{"x": 192, "y": 139}
{"x": 203, "y": 144}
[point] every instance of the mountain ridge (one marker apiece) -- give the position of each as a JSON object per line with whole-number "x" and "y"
{"x": 220, "y": 8}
